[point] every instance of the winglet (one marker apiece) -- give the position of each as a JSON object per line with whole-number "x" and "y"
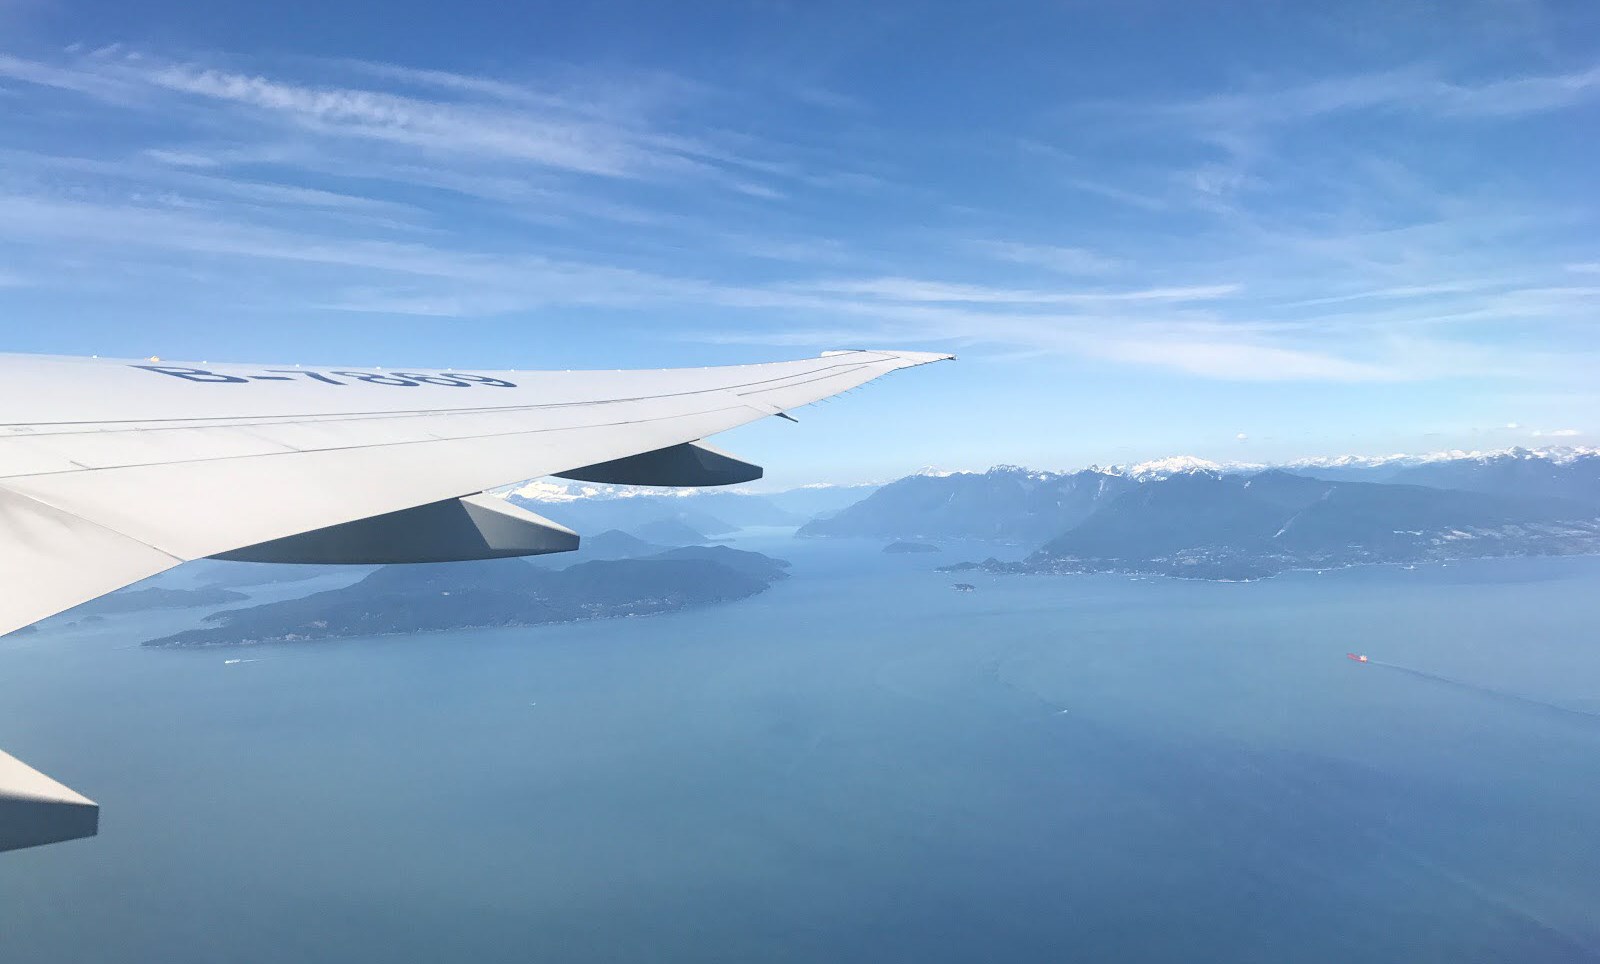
{"x": 910, "y": 358}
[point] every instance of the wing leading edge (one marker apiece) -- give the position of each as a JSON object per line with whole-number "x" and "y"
{"x": 112, "y": 471}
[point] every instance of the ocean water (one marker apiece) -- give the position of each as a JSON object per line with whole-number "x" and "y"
{"x": 859, "y": 765}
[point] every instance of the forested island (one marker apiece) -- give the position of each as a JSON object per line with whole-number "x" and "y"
{"x": 495, "y": 593}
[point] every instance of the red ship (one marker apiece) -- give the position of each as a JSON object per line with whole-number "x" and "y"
{"x": 1358, "y": 657}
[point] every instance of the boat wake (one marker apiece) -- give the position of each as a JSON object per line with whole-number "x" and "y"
{"x": 1481, "y": 690}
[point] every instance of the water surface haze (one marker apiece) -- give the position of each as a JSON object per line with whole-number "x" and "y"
{"x": 858, "y": 765}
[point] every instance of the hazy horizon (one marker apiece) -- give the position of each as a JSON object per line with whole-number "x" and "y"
{"x": 554, "y": 489}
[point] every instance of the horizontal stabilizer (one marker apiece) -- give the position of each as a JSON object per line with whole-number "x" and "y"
{"x": 692, "y": 463}
{"x": 35, "y": 809}
{"x": 473, "y": 527}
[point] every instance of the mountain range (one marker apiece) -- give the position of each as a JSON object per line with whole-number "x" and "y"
{"x": 623, "y": 506}
{"x": 1179, "y": 516}
{"x": 1517, "y": 473}
{"x": 1186, "y": 516}
{"x": 1241, "y": 526}
{"x": 688, "y": 522}
{"x": 1005, "y": 504}
{"x": 1010, "y": 503}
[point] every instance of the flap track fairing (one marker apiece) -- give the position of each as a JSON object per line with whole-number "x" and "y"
{"x": 689, "y": 464}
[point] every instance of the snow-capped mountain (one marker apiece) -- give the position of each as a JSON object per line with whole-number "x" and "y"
{"x": 1557, "y": 454}
{"x": 594, "y": 507}
{"x": 1153, "y": 469}
{"x": 1564, "y": 472}
{"x": 1183, "y": 465}
{"x": 1020, "y": 504}
{"x": 1232, "y": 526}
{"x": 1016, "y": 504}
{"x": 556, "y": 490}
{"x": 1569, "y": 475}
{"x": 1007, "y": 503}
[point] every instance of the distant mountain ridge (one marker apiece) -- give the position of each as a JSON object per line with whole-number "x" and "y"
{"x": 1014, "y": 504}
{"x": 634, "y": 516}
{"x": 1557, "y": 454}
{"x": 1179, "y": 464}
{"x": 736, "y": 506}
{"x": 1188, "y": 516}
{"x": 1231, "y": 526}
{"x": 1514, "y": 474}
{"x": 1006, "y": 504}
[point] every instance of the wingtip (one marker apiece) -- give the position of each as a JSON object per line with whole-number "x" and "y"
{"x": 908, "y": 358}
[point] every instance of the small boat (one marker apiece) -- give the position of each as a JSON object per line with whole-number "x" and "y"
{"x": 1358, "y": 657}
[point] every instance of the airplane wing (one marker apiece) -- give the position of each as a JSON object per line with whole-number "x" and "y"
{"x": 113, "y": 471}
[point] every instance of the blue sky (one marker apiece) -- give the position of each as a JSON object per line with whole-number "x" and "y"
{"x": 1246, "y": 231}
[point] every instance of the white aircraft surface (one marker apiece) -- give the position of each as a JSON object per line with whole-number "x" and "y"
{"x": 113, "y": 471}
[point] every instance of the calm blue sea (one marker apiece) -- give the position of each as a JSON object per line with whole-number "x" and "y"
{"x": 860, "y": 765}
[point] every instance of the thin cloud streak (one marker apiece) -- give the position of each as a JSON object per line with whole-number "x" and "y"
{"x": 886, "y": 310}
{"x": 920, "y": 290}
{"x": 1052, "y": 257}
{"x": 540, "y": 130}
{"x": 1416, "y": 89}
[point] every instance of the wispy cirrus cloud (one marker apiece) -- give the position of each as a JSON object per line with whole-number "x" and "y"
{"x": 1063, "y": 259}
{"x": 923, "y": 290}
{"x": 1272, "y": 137}
{"x": 1421, "y": 89}
{"x": 491, "y": 119}
{"x": 1218, "y": 331}
{"x": 1197, "y": 349}
{"x": 570, "y": 143}
{"x": 351, "y": 187}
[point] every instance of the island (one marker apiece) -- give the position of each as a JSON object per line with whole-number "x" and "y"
{"x": 495, "y": 593}
{"x": 156, "y": 597}
{"x": 908, "y": 547}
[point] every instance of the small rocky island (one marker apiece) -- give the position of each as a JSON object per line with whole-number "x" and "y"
{"x": 906, "y": 547}
{"x": 496, "y": 593}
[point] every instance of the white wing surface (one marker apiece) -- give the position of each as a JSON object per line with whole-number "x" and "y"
{"x": 112, "y": 471}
